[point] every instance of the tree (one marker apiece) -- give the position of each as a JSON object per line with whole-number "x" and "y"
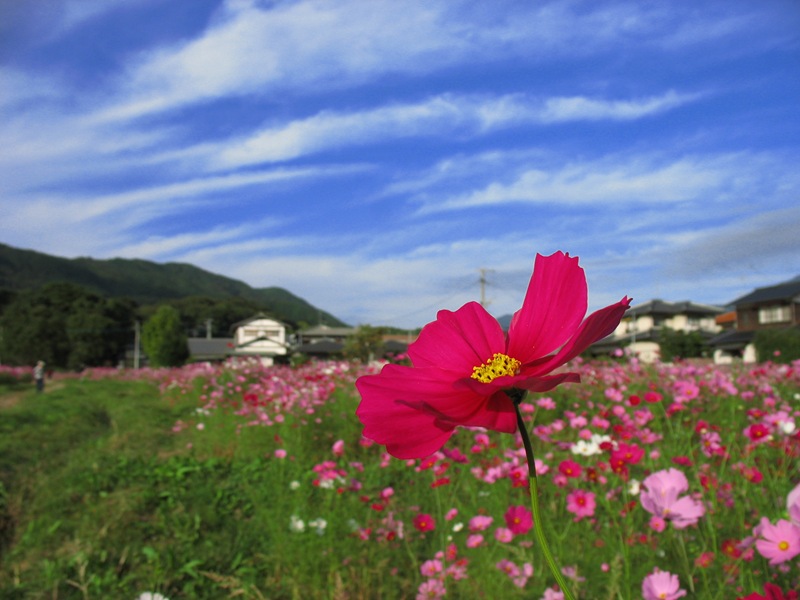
{"x": 680, "y": 344}
{"x": 365, "y": 344}
{"x": 65, "y": 325}
{"x": 777, "y": 345}
{"x": 164, "y": 338}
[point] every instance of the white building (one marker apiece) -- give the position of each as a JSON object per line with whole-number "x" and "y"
{"x": 639, "y": 329}
{"x": 259, "y": 336}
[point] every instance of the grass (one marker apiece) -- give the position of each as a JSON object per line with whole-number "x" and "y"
{"x": 111, "y": 486}
{"x": 104, "y": 500}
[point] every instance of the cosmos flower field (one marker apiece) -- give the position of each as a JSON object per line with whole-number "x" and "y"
{"x": 656, "y": 481}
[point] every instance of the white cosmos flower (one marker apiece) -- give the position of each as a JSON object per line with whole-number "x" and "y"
{"x": 296, "y": 524}
{"x": 318, "y": 525}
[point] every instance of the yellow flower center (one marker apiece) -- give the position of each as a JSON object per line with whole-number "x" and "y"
{"x": 783, "y": 546}
{"x": 497, "y": 366}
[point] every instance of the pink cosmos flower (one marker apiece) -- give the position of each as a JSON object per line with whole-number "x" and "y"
{"x": 508, "y": 567}
{"x": 660, "y": 498}
{"x": 424, "y": 522}
{"x": 581, "y": 504}
{"x": 758, "y": 433}
{"x": 657, "y": 524}
{"x": 662, "y": 585}
{"x": 793, "y": 505}
{"x": 431, "y": 568}
{"x": 569, "y": 468}
{"x": 779, "y": 542}
{"x": 503, "y": 535}
{"x": 464, "y": 364}
{"x": 519, "y": 520}
{"x": 338, "y": 448}
{"x": 432, "y": 588}
{"x": 480, "y": 523}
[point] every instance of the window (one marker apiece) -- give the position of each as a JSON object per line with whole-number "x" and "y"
{"x": 774, "y": 314}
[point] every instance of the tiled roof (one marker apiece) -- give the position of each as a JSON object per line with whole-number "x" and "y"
{"x": 728, "y": 317}
{"x": 199, "y": 347}
{"x": 782, "y": 291}
{"x": 731, "y": 340}
{"x": 662, "y": 307}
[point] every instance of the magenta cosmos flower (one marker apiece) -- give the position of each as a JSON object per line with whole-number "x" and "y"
{"x": 464, "y": 364}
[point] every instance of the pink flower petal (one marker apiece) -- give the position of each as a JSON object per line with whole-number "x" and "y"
{"x": 554, "y": 306}
{"x": 458, "y": 341}
{"x": 596, "y": 326}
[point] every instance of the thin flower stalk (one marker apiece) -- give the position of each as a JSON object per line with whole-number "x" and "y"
{"x": 538, "y": 528}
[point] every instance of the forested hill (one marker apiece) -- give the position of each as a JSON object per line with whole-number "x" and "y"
{"x": 147, "y": 282}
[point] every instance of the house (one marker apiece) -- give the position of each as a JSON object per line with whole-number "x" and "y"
{"x": 639, "y": 329}
{"x": 324, "y": 342}
{"x": 771, "y": 307}
{"x": 259, "y": 336}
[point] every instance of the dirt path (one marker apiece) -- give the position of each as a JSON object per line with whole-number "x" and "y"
{"x": 13, "y": 398}
{"x": 10, "y": 399}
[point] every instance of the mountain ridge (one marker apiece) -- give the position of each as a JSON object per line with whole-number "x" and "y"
{"x": 148, "y": 282}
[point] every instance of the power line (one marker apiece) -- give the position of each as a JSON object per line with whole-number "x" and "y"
{"x": 428, "y": 306}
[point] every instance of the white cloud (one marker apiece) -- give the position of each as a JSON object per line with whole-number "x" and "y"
{"x": 250, "y": 50}
{"x": 313, "y": 45}
{"x": 619, "y": 179}
{"x": 437, "y": 116}
{"x": 199, "y": 244}
{"x": 580, "y": 108}
{"x": 754, "y": 242}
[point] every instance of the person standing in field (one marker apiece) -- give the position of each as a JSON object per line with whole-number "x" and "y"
{"x": 38, "y": 376}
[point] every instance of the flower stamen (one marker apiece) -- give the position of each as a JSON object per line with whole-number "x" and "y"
{"x": 498, "y": 366}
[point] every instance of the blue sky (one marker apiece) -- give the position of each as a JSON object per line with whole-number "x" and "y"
{"x": 371, "y": 156}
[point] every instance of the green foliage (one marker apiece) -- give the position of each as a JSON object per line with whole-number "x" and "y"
{"x": 102, "y": 500}
{"x": 778, "y": 345}
{"x": 150, "y": 283}
{"x": 680, "y": 344}
{"x": 365, "y": 344}
{"x": 164, "y": 339}
{"x": 224, "y": 313}
{"x": 65, "y": 325}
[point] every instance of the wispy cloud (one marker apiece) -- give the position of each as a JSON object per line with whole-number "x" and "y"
{"x": 255, "y": 49}
{"x": 438, "y": 116}
{"x": 580, "y": 108}
{"x": 613, "y": 179}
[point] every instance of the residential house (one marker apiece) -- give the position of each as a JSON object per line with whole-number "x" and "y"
{"x": 324, "y": 342}
{"x": 259, "y": 336}
{"x": 639, "y": 329}
{"x": 775, "y": 306}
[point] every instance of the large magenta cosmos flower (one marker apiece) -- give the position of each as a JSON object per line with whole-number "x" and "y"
{"x": 464, "y": 364}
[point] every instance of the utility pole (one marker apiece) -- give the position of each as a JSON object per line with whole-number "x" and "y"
{"x": 208, "y": 328}
{"x": 136, "y": 345}
{"x": 482, "y": 280}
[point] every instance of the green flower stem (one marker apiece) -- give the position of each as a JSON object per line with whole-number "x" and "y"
{"x": 538, "y": 529}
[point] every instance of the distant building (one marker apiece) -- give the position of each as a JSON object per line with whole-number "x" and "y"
{"x": 326, "y": 342}
{"x": 638, "y": 331}
{"x": 260, "y": 336}
{"x": 772, "y": 307}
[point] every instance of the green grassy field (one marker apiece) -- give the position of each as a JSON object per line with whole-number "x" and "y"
{"x": 112, "y": 487}
{"x": 102, "y": 500}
